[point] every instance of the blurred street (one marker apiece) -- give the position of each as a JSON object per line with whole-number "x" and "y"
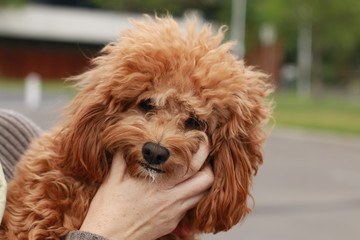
{"x": 308, "y": 188}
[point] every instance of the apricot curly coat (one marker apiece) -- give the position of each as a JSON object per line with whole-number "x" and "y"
{"x": 159, "y": 85}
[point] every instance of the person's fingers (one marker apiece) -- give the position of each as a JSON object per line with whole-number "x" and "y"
{"x": 197, "y": 161}
{"x": 184, "y": 173}
{"x": 199, "y": 157}
{"x": 117, "y": 169}
{"x": 195, "y": 185}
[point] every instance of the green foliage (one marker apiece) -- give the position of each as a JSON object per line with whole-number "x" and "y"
{"x": 335, "y": 27}
{"x": 12, "y": 2}
{"x": 335, "y": 23}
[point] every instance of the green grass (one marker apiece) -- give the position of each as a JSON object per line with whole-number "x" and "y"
{"x": 330, "y": 113}
{"x": 48, "y": 86}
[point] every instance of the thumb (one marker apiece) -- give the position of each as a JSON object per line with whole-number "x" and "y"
{"x": 118, "y": 168}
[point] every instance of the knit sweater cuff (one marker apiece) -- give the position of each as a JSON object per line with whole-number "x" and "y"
{"x": 80, "y": 235}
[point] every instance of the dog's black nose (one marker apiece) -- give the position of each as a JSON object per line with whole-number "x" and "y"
{"x": 154, "y": 153}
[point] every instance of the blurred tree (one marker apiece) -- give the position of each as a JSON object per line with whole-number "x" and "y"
{"x": 335, "y": 33}
{"x": 14, "y": 2}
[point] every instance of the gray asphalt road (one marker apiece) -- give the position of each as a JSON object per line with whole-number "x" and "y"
{"x": 308, "y": 188}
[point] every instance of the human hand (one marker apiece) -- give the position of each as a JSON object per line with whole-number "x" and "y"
{"x": 131, "y": 208}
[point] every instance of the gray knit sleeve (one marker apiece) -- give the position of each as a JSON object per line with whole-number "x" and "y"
{"x": 16, "y": 132}
{"x": 80, "y": 235}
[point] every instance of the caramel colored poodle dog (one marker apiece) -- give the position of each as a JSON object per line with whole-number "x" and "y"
{"x": 154, "y": 95}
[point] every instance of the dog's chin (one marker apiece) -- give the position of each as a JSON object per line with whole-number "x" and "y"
{"x": 151, "y": 172}
{"x": 151, "y": 169}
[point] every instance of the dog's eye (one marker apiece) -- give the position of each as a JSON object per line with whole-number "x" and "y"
{"x": 146, "y": 105}
{"x": 193, "y": 123}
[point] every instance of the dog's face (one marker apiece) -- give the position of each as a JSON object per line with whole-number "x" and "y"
{"x": 158, "y": 132}
{"x": 155, "y": 95}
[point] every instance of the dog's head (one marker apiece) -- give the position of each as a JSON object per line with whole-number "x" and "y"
{"x": 155, "y": 95}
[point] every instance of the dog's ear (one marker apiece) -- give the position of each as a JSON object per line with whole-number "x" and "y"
{"x": 234, "y": 162}
{"x": 235, "y": 157}
{"x": 80, "y": 141}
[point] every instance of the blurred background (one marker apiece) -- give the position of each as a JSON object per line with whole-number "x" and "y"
{"x": 309, "y": 186}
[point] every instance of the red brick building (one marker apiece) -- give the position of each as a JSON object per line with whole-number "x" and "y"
{"x": 55, "y": 42}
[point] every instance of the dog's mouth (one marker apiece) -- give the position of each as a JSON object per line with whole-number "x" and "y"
{"x": 150, "y": 168}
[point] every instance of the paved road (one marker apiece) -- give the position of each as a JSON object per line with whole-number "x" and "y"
{"x": 308, "y": 188}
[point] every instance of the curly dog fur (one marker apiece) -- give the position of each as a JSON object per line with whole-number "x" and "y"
{"x": 160, "y": 85}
